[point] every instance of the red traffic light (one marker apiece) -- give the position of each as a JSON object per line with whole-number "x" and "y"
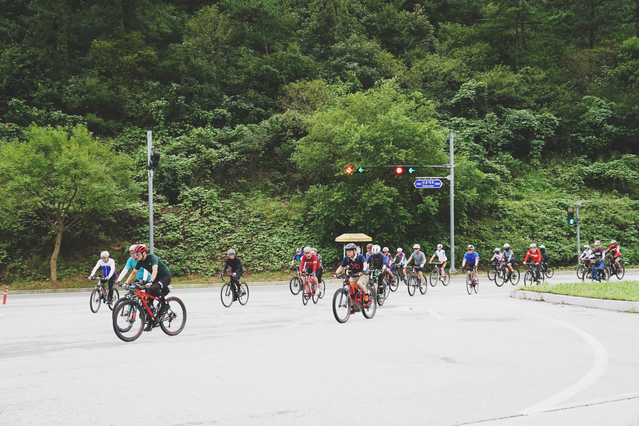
{"x": 349, "y": 170}
{"x": 399, "y": 170}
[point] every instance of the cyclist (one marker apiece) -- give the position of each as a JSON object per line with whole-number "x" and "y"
{"x": 498, "y": 256}
{"x": 400, "y": 261}
{"x": 509, "y": 258}
{"x": 472, "y": 257}
{"x": 309, "y": 265}
{"x": 380, "y": 262}
{"x": 235, "y": 263}
{"x": 142, "y": 275}
{"x": 369, "y": 251}
{"x": 108, "y": 272}
{"x": 545, "y": 258}
{"x": 599, "y": 254}
{"x": 616, "y": 254}
{"x": 389, "y": 262}
{"x": 587, "y": 255}
{"x": 357, "y": 265}
{"x": 420, "y": 259}
{"x": 535, "y": 254}
{"x": 160, "y": 276}
{"x": 320, "y": 268}
{"x": 441, "y": 257}
{"x": 297, "y": 257}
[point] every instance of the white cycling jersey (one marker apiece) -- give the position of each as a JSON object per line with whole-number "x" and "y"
{"x": 441, "y": 255}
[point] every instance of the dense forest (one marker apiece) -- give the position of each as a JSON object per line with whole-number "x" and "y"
{"x": 257, "y": 106}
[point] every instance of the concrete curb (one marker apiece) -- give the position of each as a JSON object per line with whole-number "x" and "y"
{"x": 608, "y": 304}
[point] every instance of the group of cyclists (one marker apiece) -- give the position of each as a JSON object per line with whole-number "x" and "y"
{"x": 597, "y": 256}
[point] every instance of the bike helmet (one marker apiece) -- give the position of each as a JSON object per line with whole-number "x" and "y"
{"x": 376, "y": 249}
{"x": 104, "y": 254}
{"x": 230, "y": 252}
{"x": 470, "y": 247}
{"x": 299, "y": 249}
{"x": 399, "y": 250}
{"x": 385, "y": 249}
{"x": 440, "y": 246}
{"x": 314, "y": 250}
{"x": 613, "y": 242}
{"x": 586, "y": 246}
{"x": 350, "y": 246}
{"x": 497, "y": 250}
{"x": 542, "y": 247}
{"x": 506, "y": 246}
{"x": 533, "y": 245}
{"x": 416, "y": 246}
{"x": 132, "y": 248}
{"x": 140, "y": 248}
{"x": 368, "y": 247}
{"x": 597, "y": 243}
{"x": 307, "y": 249}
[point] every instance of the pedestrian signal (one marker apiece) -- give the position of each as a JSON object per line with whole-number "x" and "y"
{"x": 349, "y": 170}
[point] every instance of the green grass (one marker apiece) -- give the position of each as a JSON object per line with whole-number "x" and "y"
{"x": 614, "y": 290}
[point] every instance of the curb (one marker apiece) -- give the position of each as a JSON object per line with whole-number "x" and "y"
{"x": 608, "y": 304}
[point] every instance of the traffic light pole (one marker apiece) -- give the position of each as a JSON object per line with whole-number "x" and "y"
{"x": 577, "y": 204}
{"x": 149, "y": 140}
{"x": 452, "y": 269}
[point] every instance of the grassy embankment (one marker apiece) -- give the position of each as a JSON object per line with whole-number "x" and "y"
{"x": 614, "y": 290}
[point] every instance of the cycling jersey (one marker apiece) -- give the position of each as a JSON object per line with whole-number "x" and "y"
{"x": 599, "y": 253}
{"x": 319, "y": 261}
{"x": 587, "y": 254}
{"x": 356, "y": 265}
{"x": 310, "y": 265}
{"x": 499, "y": 257}
{"x": 297, "y": 257}
{"x": 235, "y": 264}
{"x": 509, "y": 256}
{"x": 400, "y": 259}
{"x": 615, "y": 250}
{"x": 441, "y": 256}
{"x": 472, "y": 258}
{"x": 108, "y": 268}
{"x": 419, "y": 258}
{"x": 536, "y": 256}
{"x": 377, "y": 261}
{"x": 142, "y": 275}
{"x": 148, "y": 262}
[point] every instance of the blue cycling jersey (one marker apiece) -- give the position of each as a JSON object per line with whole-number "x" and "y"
{"x": 472, "y": 258}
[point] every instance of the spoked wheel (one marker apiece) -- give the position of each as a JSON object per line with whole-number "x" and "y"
{"x": 445, "y": 278}
{"x": 476, "y": 286}
{"x": 226, "y": 294}
{"x": 529, "y": 278}
{"x": 306, "y": 294}
{"x": 515, "y": 276}
{"x": 500, "y": 278}
{"x": 411, "y": 286}
{"x": 386, "y": 290}
{"x": 380, "y": 299}
{"x": 369, "y": 311}
{"x": 294, "y": 285}
{"x": 244, "y": 294}
{"x": 95, "y": 301}
{"x": 550, "y": 271}
{"x": 114, "y": 298}
{"x": 620, "y": 272}
{"x": 581, "y": 272}
{"x": 434, "y": 277}
{"x": 323, "y": 290}
{"x": 173, "y": 319}
{"x": 315, "y": 296}
{"x": 342, "y": 305}
{"x": 423, "y": 286}
{"x": 492, "y": 273}
{"x": 469, "y": 283}
{"x": 394, "y": 284}
{"x": 128, "y": 320}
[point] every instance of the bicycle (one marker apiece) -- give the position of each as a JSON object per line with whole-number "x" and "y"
{"x": 436, "y": 275}
{"x": 613, "y": 269}
{"x": 350, "y": 299}
{"x": 514, "y": 275}
{"x": 295, "y": 282}
{"x": 310, "y": 290}
{"x": 583, "y": 269}
{"x": 234, "y": 290}
{"x": 378, "y": 276}
{"x": 496, "y": 273}
{"x": 100, "y": 293}
{"x": 472, "y": 283}
{"x": 530, "y": 276}
{"x": 600, "y": 276}
{"x": 399, "y": 277}
{"x": 547, "y": 270}
{"x": 414, "y": 282}
{"x": 132, "y": 314}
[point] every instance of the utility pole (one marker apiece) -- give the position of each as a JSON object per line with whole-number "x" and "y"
{"x": 149, "y": 140}
{"x": 451, "y": 177}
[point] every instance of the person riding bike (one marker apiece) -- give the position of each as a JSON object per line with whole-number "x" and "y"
{"x": 587, "y": 255}
{"x": 545, "y": 258}
{"x": 369, "y": 252}
{"x": 309, "y": 265}
{"x": 420, "y": 260}
{"x": 389, "y": 262}
{"x": 108, "y": 272}
{"x": 616, "y": 254}
{"x": 142, "y": 275}
{"x": 509, "y": 257}
{"x": 380, "y": 262}
{"x": 535, "y": 254}
{"x": 358, "y": 267}
{"x": 400, "y": 261}
{"x": 441, "y": 258}
{"x": 298, "y": 256}
{"x": 320, "y": 269}
{"x": 472, "y": 257}
{"x": 599, "y": 255}
{"x": 235, "y": 263}
{"x": 160, "y": 276}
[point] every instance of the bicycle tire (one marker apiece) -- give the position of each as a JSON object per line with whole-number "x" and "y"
{"x": 469, "y": 283}
{"x": 434, "y": 277}
{"x": 500, "y": 279}
{"x": 244, "y": 297}
{"x": 315, "y": 296}
{"x": 369, "y": 311}
{"x": 492, "y": 273}
{"x": 476, "y": 285}
{"x": 550, "y": 271}
{"x": 174, "y": 313}
{"x": 386, "y": 290}
{"x": 306, "y": 294}
{"x": 342, "y": 305}
{"x": 128, "y": 321}
{"x": 226, "y": 295}
{"x": 620, "y": 272}
{"x": 323, "y": 292}
{"x": 95, "y": 300}
{"x": 294, "y": 285}
{"x": 423, "y": 287}
{"x": 380, "y": 296}
{"x": 581, "y": 272}
{"x": 529, "y": 279}
{"x": 515, "y": 276}
{"x": 445, "y": 278}
{"x": 411, "y": 286}
{"x": 115, "y": 296}
{"x": 394, "y": 284}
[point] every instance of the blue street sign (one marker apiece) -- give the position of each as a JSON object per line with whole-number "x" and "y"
{"x": 431, "y": 183}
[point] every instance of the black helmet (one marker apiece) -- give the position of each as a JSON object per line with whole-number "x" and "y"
{"x": 350, "y": 246}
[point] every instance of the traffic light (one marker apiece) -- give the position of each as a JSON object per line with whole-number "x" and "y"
{"x": 362, "y": 169}
{"x": 412, "y": 170}
{"x": 349, "y": 170}
{"x": 155, "y": 159}
{"x": 571, "y": 215}
{"x": 399, "y": 170}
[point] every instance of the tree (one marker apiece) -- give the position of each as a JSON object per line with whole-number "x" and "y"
{"x": 65, "y": 177}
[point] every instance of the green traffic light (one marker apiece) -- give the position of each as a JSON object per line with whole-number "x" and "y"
{"x": 411, "y": 170}
{"x": 571, "y": 221}
{"x": 361, "y": 170}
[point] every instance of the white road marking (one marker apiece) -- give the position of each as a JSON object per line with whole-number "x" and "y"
{"x": 435, "y": 314}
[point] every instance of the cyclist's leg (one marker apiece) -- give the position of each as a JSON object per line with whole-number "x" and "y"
{"x": 443, "y": 268}
{"x": 318, "y": 278}
{"x": 111, "y": 282}
{"x": 361, "y": 284}
{"x": 421, "y": 275}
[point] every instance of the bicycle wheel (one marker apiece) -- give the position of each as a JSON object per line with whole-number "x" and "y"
{"x": 323, "y": 289}
{"x": 411, "y": 286}
{"x": 528, "y": 278}
{"x": 114, "y": 298}
{"x": 342, "y": 305}
{"x": 173, "y": 319}
{"x": 445, "y": 278}
{"x": 369, "y": 311}
{"x": 476, "y": 285}
{"x": 226, "y": 294}
{"x": 581, "y": 272}
{"x": 621, "y": 271}
{"x": 423, "y": 286}
{"x": 294, "y": 285}
{"x": 515, "y": 276}
{"x": 394, "y": 284}
{"x": 492, "y": 273}
{"x": 244, "y": 294}
{"x": 95, "y": 301}
{"x": 605, "y": 275}
{"x": 306, "y": 294}
{"x": 469, "y": 283}
{"x": 386, "y": 290}
{"x": 550, "y": 271}
{"x": 500, "y": 278}
{"x": 434, "y": 277}
{"x": 315, "y": 296}
{"x": 128, "y": 320}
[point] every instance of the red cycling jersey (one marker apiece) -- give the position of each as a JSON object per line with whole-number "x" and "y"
{"x": 311, "y": 264}
{"x": 536, "y": 256}
{"x": 615, "y": 250}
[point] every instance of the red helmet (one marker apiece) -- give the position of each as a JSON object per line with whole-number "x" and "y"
{"x": 369, "y": 247}
{"x": 140, "y": 248}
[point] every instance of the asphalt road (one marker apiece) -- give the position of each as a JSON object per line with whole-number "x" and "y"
{"x": 445, "y": 358}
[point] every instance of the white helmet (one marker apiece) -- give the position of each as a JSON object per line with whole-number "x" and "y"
{"x": 376, "y": 249}
{"x": 586, "y": 246}
{"x": 597, "y": 243}
{"x": 440, "y": 246}
{"x": 307, "y": 249}
{"x": 132, "y": 248}
{"x": 533, "y": 245}
{"x": 497, "y": 250}
{"x": 314, "y": 250}
{"x": 416, "y": 246}
{"x": 230, "y": 252}
{"x": 385, "y": 249}
{"x": 104, "y": 254}
{"x": 613, "y": 242}
{"x": 506, "y": 246}
{"x": 399, "y": 250}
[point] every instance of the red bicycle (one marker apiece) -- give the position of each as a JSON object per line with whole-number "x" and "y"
{"x": 311, "y": 291}
{"x": 350, "y": 299}
{"x": 132, "y": 314}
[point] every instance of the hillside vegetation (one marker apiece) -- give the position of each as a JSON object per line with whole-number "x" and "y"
{"x": 257, "y": 106}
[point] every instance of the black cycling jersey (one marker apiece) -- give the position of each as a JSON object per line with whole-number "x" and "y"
{"x": 377, "y": 261}
{"x": 235, "y": 264}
